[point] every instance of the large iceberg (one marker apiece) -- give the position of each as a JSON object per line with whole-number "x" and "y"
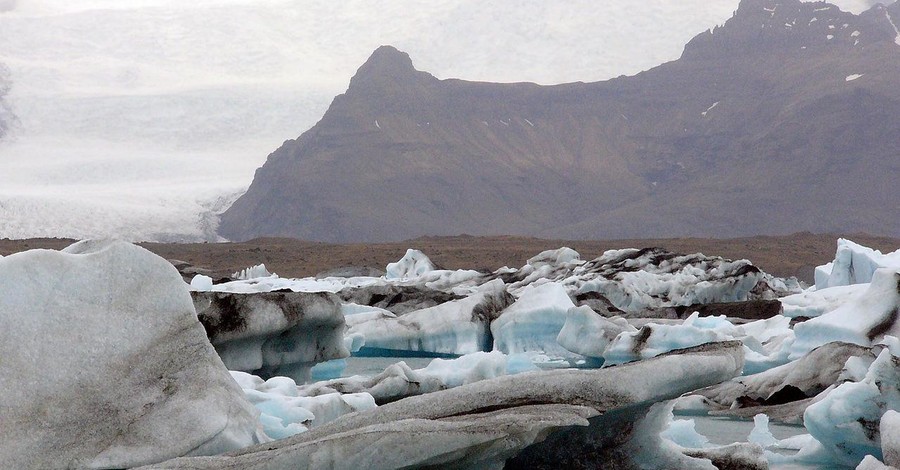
{"x": 103, "y": 363}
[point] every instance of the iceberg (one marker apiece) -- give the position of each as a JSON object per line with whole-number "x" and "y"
{"x": 486, "y": 423}
{"x": 273, "y": 333}
{"x": 853, "y": 264}
{"x": 455, "y": 327}
{"x": 284, "y": 412}
{"x": 399, "y": 381}
{"x": 784, "y": 392}
{"x": 534, "y": 321}
{"x": 413, "y": 264}
{"x": 863, "y": 320}
{"x": 104, "y": 364}
{"x": 846, "y": 422}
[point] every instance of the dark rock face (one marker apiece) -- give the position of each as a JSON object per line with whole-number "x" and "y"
{"x": 756, "y": 129}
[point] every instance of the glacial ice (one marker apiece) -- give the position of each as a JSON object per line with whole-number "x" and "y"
{"x": 846, "y": 422}
{"x": 816, "y": 302}
{"x": 890, "y": 437}
{"x": 103, "y": 363}
{"x": 853, "y": 264}
{"x": 253, "y": 272}
{"x": 413, "y": 264}
{"x": 483, "y": 424}
{"x": 862, "y": 320}
{"x": 399, "y": 380}
{"x": 782, "y": 392}
{"x": 454, "y": 327}
{"x": 273, "y": 333}
{"x": 284, "y": 412}
{"x": 534, "y": 321}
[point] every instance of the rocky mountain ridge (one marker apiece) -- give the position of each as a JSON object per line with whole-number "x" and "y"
{"x": 782, "y": 119}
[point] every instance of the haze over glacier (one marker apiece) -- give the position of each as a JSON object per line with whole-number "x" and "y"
{"x": 141, "y": 119}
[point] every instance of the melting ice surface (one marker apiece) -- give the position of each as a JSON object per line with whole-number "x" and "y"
{"x": 560, "y": 311}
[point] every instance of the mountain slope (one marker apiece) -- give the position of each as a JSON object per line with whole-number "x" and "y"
{"x": 781, "y": 120}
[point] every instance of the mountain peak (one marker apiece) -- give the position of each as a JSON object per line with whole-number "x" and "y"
{"x": 790, "y": 26}
{"x": 386, "y": 67}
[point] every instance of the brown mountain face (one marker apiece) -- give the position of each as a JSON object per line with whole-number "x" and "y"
{"x": 786, "y": 118}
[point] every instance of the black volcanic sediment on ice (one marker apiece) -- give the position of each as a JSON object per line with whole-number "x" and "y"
{"x": 783, "y": 119}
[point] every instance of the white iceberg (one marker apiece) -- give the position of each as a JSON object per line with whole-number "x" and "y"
{"x": 863, "y": 320}
{"x": 853, "y": 264}
{"x": 413, "y": 264}
{"x": 103, "y": 363}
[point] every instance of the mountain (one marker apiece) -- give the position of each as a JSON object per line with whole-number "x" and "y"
{"x": 781, "y": 120}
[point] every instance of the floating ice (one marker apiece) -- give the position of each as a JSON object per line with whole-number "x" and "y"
{"x": 273, "y": 333}
{"x": 283, "y": 412}
{"x": 484, "y": 424}
{"x": 862, "y": 320}
{"x": 853, "y": 264}
{"x": 413, "y": 264}
{"x": 103, "y": 363}
{"x": 760, "y": 433}
{"x": 399, "y": 380}
{"x": 788, "y": 387}
{"x": 846, "y": 421}
{"x": 253, "y": 272}
{"x": 454, "y": 327}
{"x": 813, "y": 303}
{"x": 534, "y": 321}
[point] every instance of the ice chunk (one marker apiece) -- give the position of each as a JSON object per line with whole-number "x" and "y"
{"x": 890, "y": 437}
{"x": 790, "y": 383}
{"x": 413, "y": 264}
{"x": 105, "y": 365}
{"x": 760, "y": 433}
{"x": 846, "y": 421}
{"x": 534, "y": 321}
{"x": 853, "y": 264}
{"x": 253, "y": 272}
{"x": 399, "y": 380}
{"x": 201, "y": 283}
{"x": 814, "y": 303}
{"x": 587, "y": 333}
{"x": 863, "y": 320}
{"x": 273, "y": 333}
{"x": 454, "y": 327}
{"x": 654, "y": 339}
{"x": 284, "y": 413}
